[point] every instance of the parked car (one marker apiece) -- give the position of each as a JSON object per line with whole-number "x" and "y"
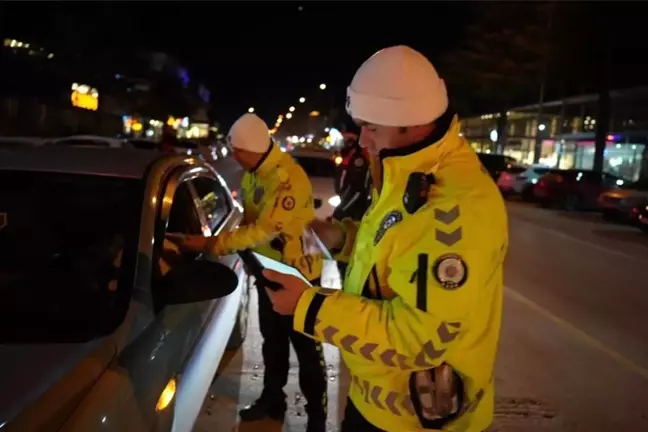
{"x": 102, "y": 325}
{"x": 642, "y": 217}
{"x": 320, "y": 167}
{"x": 572, "y": 189}
{"x": 495, "y": 163}
{"x": 519, "y": 180}
{"x": 619, "y": 203}
{"x": 90, "y": 141}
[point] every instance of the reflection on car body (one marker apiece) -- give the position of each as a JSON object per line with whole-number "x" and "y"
{"x": 95, "y": 333}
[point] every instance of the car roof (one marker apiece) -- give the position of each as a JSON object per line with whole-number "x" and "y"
{"x": 73, "y": 160}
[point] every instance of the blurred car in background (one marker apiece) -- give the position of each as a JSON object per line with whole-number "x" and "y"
{"x": 13, "y": 143}
{"x": 90, "y": 141}
{"x": 519, "y": 180}
{"x": 117, "y": 332}
{"x": 573, "y": 189}
{"x": 320, "y": 167}
{"x": 495, "y": 164}
{"x": 619, "y": 203}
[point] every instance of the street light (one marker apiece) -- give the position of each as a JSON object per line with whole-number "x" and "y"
{"x": 322, "y": 86}
{"x": 288, "y": 116}
{"x": 302, "y": 99}
{"x": 291, "y": 109}
{"x": 251, "y": 110}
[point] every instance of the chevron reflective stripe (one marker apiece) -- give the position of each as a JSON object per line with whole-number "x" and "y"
{"x": 446, "y": 332}
{"x": 397, "y": 403}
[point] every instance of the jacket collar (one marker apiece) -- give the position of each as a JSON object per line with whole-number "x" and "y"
{"x": 269, "y": 161}
{"x": 425, "y": 156}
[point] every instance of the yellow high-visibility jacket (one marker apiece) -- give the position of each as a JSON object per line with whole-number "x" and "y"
{"x": 278, "y": 207}
{"x": 422, "y": 289}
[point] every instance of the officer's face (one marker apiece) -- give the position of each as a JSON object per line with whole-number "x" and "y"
{"x": 375, "y": 138}
{"x": 248, "y": 160}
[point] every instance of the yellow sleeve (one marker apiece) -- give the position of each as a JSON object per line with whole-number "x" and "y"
{"x": 436, "y": 290}
{"x": 281, "y": 205}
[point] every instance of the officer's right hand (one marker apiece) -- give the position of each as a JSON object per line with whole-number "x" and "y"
{"x": 330, "y": 233}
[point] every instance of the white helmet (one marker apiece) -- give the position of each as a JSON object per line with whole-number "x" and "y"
{"x": 397, "y": 86}
{"x": 249, "y": 133}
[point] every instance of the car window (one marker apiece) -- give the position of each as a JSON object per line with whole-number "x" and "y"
{"x": 68, "y": 244}
{"x": 182, "y": 215}
{"x": 541, "y": 171}
{"x": 212, "y": 200}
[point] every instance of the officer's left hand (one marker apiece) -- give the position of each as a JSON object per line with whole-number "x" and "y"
{"x": 284, "y": 301}
{"x": 188, "y": 243}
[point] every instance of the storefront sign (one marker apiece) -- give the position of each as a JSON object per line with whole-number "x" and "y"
{"x": 84, "y": 97}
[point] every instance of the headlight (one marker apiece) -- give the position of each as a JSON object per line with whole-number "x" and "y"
{"x": 334, "y": 201}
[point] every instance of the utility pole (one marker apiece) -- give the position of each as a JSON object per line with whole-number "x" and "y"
{"x": 537, "y": 149}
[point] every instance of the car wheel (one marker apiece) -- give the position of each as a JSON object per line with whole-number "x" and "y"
{"x": 545, "y": 203}
{"x": 241, "y": 325}
{"x": 527, "y": 194}
{"x": 571, "y": 203}
{"x": 609, "y": 216}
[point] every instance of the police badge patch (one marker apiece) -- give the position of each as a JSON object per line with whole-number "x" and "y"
{"x": 391, "y": 219}
{"x": 258, "y": 194}
{"x": 450, "y": 271}
{"x": 288, "y": 203}
{"x": 358, "y": 162}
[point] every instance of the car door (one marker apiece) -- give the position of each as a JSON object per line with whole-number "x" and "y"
{"x": 202, "y": 330}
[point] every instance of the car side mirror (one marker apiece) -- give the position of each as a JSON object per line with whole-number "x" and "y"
{"x": 317, "y": 203}
{"x": 191, "y": 281}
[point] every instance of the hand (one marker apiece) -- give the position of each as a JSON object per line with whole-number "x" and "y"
{"x": 284, "y": 301}
{"x": 331, "y": 234}
{"x": 188, "y": 243}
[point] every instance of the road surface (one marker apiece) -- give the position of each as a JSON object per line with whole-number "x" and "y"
{"x": 573, "y": 354}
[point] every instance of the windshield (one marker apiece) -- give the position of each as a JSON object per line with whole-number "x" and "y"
{"x": 66, "y": 242}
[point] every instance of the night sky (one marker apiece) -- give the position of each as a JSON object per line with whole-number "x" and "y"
{"x": 259, "y": 54}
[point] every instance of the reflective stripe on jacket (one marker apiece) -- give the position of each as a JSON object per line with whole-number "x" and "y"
{"x": 278, "y": 205}
{"x": 422, "y": 289}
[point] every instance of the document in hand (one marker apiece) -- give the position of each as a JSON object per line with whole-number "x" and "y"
{"x": 280, "y": 267}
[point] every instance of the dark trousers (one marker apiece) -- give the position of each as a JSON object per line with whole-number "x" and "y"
{"x": 354, "y": 422}
{"x": 277, "y": 331}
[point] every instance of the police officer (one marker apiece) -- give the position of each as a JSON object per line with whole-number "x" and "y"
{"x": 354, "y": 183}
{"x": 424, "y": 288}
{"x": 278, "y": 207}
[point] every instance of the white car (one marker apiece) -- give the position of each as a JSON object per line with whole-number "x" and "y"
{"x": 91, "y": 141}
{"x": 12, "y": 143}
{"x": 320, "y": 167}
{"x": 519, "y": 180}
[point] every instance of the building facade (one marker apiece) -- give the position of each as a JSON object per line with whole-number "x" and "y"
{"x": 565, "y": 130}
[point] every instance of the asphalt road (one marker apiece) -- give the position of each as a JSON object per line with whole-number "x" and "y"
{"x": 574, "y": 345}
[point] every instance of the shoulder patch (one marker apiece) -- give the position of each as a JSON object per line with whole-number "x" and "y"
{"x": 359, "y": 162}
{"x": 450, "y": 271}
{"x": 391, "y": 219}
